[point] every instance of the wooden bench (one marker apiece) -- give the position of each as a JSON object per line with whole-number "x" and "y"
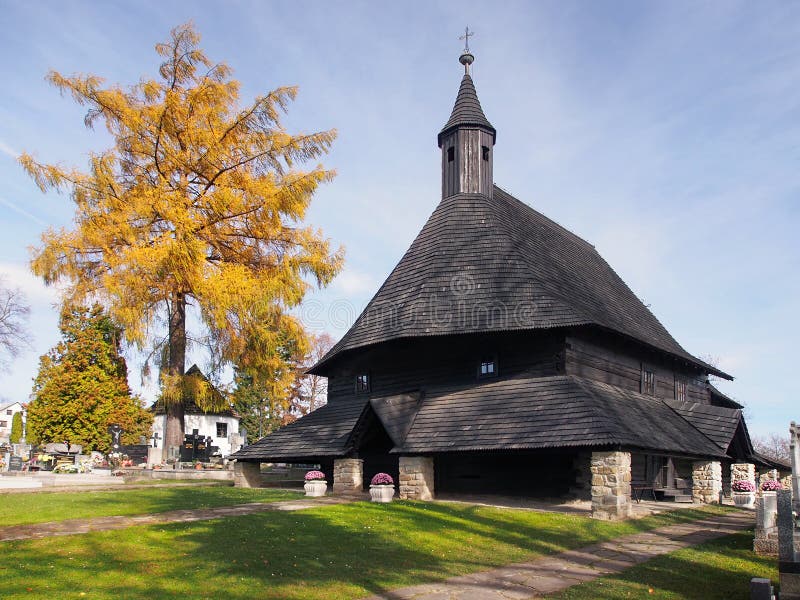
{"x": 638, "y": 490}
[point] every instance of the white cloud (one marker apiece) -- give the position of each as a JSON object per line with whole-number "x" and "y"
{"x": 8, "y": 150}
{"x": 37, "y": 293}
{"x": 352, "y": 282}
{"x": 22, "y": 211}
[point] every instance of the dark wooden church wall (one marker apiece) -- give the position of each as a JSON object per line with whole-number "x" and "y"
{"x": 444, "y": 362}
{"x": 605, "y": 359}
{"x": 540, "y": 474}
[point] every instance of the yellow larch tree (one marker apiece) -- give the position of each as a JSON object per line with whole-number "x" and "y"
{"x": 200, "y": 202}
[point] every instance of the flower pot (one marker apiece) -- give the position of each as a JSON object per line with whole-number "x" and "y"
{"x": 381, "y": 493}
{"x": 744, "y": 499}
{"x": 316, "y": 488}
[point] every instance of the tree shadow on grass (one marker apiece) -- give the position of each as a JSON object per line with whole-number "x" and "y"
{"x": 344, "y": 551}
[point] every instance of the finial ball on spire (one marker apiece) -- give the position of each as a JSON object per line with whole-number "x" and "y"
{"x": 466, "y": 57}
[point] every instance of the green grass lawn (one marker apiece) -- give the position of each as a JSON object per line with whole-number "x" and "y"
{"x": 721, "y": 568}
{"x": 330, "y": 552}
{"x": 24, "y": 509}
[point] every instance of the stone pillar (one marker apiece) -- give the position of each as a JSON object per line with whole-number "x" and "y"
{"x": 348, "y": 475}
{"x": 706, "y": 481}
{"x": 247, "y": 474}
{"x": 765, "y": 542}
{"x": 611, "y": 485}
{"x": 416, "y": 478}
{"x": 743, "y": 471}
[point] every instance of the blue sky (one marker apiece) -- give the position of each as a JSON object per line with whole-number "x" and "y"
{"x": 665, "y": 133}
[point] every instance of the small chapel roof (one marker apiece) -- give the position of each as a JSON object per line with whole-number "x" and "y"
{"x": 190, "y": 407}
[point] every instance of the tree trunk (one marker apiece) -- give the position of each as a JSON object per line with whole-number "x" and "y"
{"x": 173, "y": 432}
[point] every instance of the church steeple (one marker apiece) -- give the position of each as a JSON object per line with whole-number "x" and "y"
{"x": 467, "y": 140}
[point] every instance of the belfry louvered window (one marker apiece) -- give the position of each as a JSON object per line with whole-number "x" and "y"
{"x": 362, "y": 383}
{"x": 451, "y": 154}
{"x": 648, "y": 381}
{"x": 680, "y": 389}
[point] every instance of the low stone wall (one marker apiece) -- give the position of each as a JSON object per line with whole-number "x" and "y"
{"x": 179, "y": 474}
{"x": 348, "y": 475}
{"x": 707, "y": 481}
{"x": 416, "y": 478}
{"x": 247, "y": 474}
{"x": 611, "y": 485}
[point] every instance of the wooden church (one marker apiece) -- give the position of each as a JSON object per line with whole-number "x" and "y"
{"x": 503, "y": 355}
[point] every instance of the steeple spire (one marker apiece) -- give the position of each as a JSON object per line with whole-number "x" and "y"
{"x": 467, "y": 139}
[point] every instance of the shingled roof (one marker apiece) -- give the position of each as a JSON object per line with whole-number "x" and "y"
{"x": 550, "y": 412}
{"x": 467, "y": 111}
{"x": 321, "y": 433}
{"x": 493, "y": 264}
{"x": 717, "y": 422}
{"x": 506, "y": 414}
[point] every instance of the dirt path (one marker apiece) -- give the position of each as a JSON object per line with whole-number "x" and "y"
{"x": 550, "y": 574}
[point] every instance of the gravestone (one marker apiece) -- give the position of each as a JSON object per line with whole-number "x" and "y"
{"x": 15, "y": 463}
{"x": 137, "y": 453}
{"x": 197, "y": 447}
{"x": 794, "y": 446}
{"x": 788, "y": 553}
{"x": 116, "y": 433}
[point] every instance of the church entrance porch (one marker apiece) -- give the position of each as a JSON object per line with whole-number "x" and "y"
{"x": 529, "y": 474}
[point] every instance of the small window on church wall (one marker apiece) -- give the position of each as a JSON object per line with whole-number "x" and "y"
{"x": 680, "y": 389}
{"x": 362, "y": 383}
{"x": 485, "y": 152}
{"x": 451, "y": 154}
{"x": 648, "y": 381}
{"x": 487, "y": 367}
{"x": 222, "y": 430}
{"x": 3, "y": 424}
{"x": 9, "y": 411}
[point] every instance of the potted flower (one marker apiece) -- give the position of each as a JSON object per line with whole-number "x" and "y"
{"x": 315, "y": 485}
{"x": 770, "y": 486}
{"x": 743, "y": 493}
{"x": 381, "y": 488}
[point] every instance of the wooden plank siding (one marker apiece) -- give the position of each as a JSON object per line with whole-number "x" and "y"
{"x": 602, "y": 359}
{"x": 444, "y": 361}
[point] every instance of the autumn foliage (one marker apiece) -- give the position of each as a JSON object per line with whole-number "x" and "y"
{"x": 199, "y": 203}
{"x": 82, "y": 386}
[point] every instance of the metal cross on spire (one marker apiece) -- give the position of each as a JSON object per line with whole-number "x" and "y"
{"x": 467, "y": 34}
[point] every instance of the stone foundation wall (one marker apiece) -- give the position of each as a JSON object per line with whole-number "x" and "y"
{"x": 611, "y": 485}
{"x": 348, "y": 475}
{"x": 247, "y": 474}
{"x": 706, "y": 481}
{"x": 416, "y": 478}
